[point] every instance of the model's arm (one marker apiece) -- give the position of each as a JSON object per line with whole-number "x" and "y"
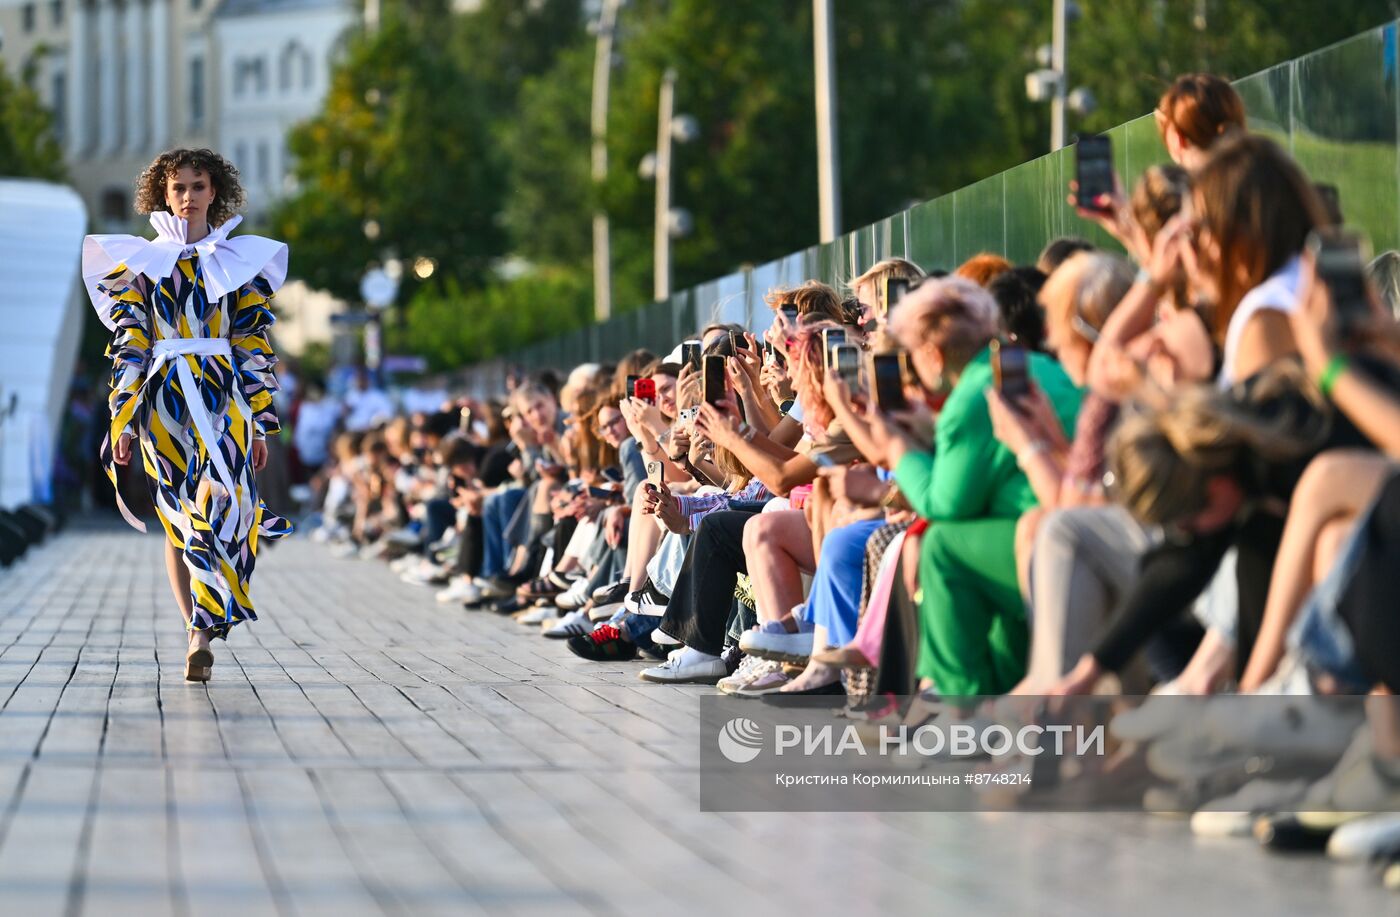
{"x": 129, "y": 349}
{"x": 253, "y": 356}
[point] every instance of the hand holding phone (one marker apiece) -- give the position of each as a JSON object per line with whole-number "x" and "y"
{"x": 889, "y": 371}
{"x": 846, "y": 362}
{"x": 1340, "y": 259}
{"x": 713, "y": 383}
{"x": 1093, "y": 171}
{"x": 1010, "y": 370}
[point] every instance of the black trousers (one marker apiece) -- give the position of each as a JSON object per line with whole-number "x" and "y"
{"x": 1367, "y": 605}
{"x": 698, "y": 613}
{"x": 899, "y": 652}
{"x": 470, "y": 546}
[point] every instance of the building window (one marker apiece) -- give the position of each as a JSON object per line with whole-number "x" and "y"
{"x": 196, "y": 100}
{"x": 115, "y": 209}
{"x": 240, "y": 156}
{"x": 27, "y": 15}
{"x": 56, "y": 12}
{"x": 249, "y": 77}
{"x": 59, "y": 105}
{"x": 264, "y": 167}
{"x": 293, "y": 65}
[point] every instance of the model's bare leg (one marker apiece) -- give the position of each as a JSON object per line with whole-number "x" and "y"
{"x": 179, "y": 576}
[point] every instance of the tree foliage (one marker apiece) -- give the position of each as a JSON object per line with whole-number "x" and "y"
{"x": 28, "y": 147}
{"x": 477, "y": 144}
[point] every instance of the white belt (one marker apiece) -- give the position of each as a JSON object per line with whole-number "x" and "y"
{"x": 170, "y": 350}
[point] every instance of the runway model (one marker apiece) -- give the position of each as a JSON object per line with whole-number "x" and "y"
{"x": 192, "y": 381}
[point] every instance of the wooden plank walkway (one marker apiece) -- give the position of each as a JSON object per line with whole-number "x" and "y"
{"x": 363, "y": 750}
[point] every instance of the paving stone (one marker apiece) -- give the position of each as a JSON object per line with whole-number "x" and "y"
{"x": 365, "y": 750}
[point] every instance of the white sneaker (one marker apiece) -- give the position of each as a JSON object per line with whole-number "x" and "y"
{"x": 461, "y": 589}
{"x": 1234, "y": 815}
{"x": 573, "y": 597}
{"x": 780, "y": 647}
{"x": 687, "y": 666}
{"x": 661, "y": 638}
{"x": 573, "y": 624}
{"x": 604, "y": 612}
{"x": 539, "y": 615}
{"x": 427, "y": 574}
{"x": 751, "y": 668}
{"x": 639, "y": 604}
{"x": 1366, "y": 838}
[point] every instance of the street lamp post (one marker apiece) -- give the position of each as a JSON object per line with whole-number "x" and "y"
{"x": 828, "y": 155}
{"x": 1059, "y": 52}
{"x": 670, "y": 222}
{"x": 1051, "y": 82}
{"x": 602, "y": 72}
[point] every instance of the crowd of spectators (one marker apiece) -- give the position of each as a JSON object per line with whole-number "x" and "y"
{"x": 1170, "y": 471}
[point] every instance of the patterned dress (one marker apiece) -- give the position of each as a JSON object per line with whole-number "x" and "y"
{"x": 216, "y": 531}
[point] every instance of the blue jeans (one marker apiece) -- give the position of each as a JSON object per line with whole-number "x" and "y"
{"x": 835, "y": 599}
{"x": 1319, "y": 635}
{"x": 440, "y": 515}
{"x": 495, "y": 516}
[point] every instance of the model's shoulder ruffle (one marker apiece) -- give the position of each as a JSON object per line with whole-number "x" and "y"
{"x": 227, "y": 264}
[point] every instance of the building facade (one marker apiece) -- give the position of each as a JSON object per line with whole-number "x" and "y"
{"x": 126, "y": 79}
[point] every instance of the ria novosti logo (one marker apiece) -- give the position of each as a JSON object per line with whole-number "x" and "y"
{"x": 740, "y": 740}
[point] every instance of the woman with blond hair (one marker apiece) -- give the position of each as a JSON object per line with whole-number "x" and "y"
{"x": 192, "y": 381}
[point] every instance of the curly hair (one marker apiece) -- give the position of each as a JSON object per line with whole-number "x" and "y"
{"x": 228, "y": 191}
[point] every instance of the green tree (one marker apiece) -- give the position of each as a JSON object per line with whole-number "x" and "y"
{"x": 408, "y": 142}
{"x": 28, "y": 148}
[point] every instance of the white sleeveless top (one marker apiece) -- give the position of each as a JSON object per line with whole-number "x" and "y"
{"x": 1279, "y": 292}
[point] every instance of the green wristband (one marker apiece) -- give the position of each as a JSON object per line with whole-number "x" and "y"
{"x": 1327, "y": 379}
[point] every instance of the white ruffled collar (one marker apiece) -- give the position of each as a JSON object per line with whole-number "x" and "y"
{"x": 225, "y": 264}
{"x": 173, "y": 230}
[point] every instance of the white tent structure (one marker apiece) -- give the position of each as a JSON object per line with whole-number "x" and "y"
{"x": 42, "y": 313}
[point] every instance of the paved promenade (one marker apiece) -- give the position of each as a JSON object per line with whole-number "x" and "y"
{"x": 362, "y": 750}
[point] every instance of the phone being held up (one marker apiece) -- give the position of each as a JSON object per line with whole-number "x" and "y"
{"x": 1093, "y": 170}
{"x": 690, "y": 354}
{"x": 713, "y": 380}
{"x": 645, "y": 389}
{"x": 1341, "y": 257}
{"x": 1010, "y": 371}
{"x": 888, "y": 369}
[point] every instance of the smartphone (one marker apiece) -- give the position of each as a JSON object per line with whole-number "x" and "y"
{"x": 1093, "y": 168}
{"x": 846, "y": 361}
{"x": 790, "y": 314}
{"x": 632, "y": 386}
{"x": 464, "y": 421}
{"x": 712, "y": 382}
{"x": 889, "y": 382}
{"x": 654, "y": 473}
{"x": 1341, "y": 257}
{"x": 1010, "y": 370}
{"x": 895, "y": 288}
{"x": 738, "y": 341}
{"x": 831, "y": 338}
{"x": 690, "y": 354}
{"x": 645, "y": 389}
